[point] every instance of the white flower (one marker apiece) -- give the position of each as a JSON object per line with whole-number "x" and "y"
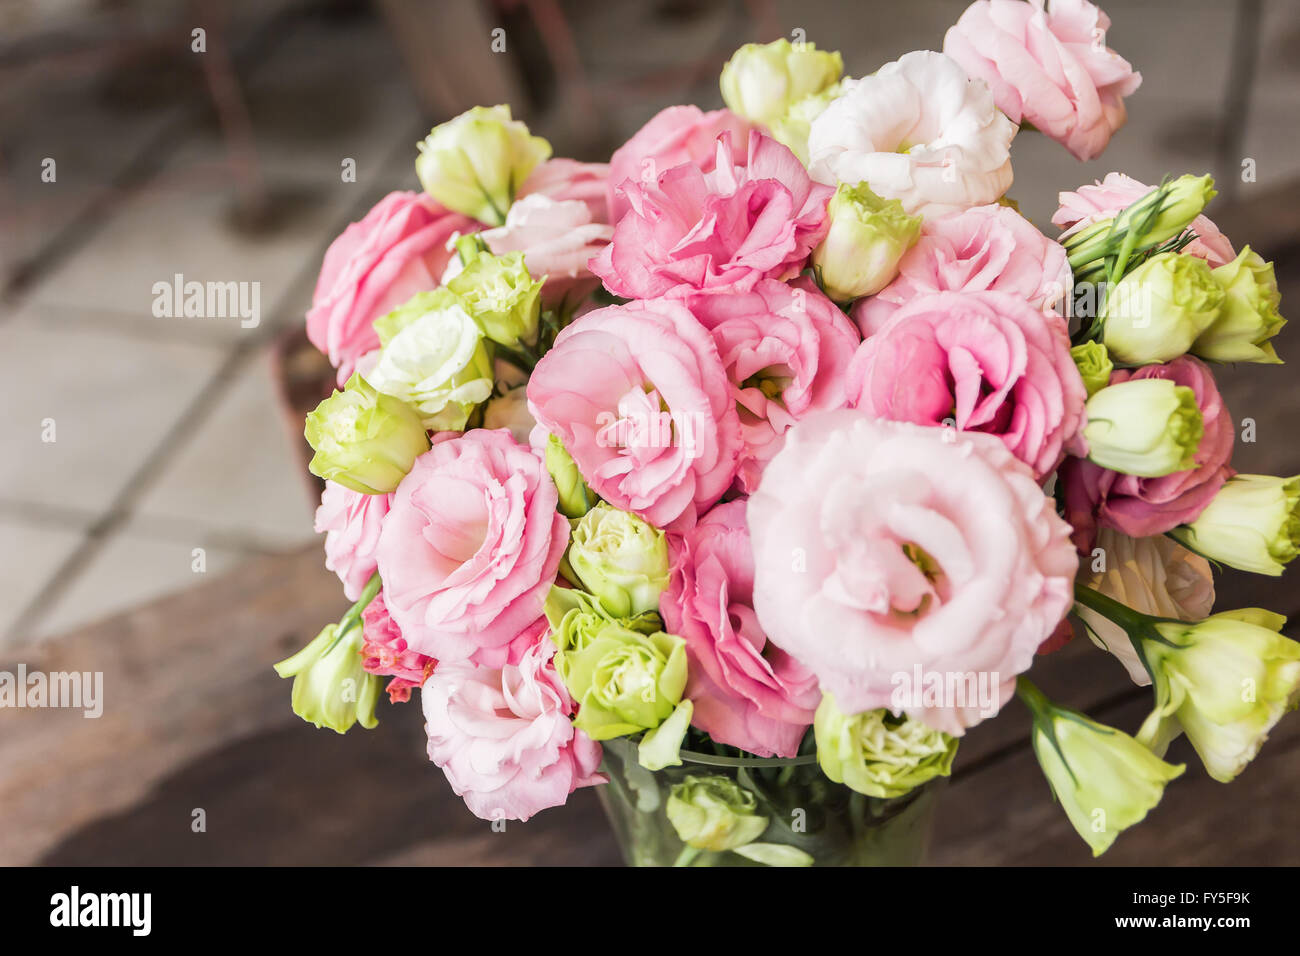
{"x": 1154, "y": 575}
{"x": 918, "y": 130}
{"x": 511, "y": 411}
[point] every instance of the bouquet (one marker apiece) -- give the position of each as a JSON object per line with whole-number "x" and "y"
{"x": 741, "y": 475}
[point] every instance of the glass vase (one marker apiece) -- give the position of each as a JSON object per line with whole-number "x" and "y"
{"x": 824, "y": 820}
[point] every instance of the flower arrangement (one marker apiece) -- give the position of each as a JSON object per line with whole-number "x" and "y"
{"x": 783, "y": 440}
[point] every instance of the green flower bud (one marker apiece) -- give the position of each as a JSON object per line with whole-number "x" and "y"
{"x": 791, "y": 130}
{"x": 473, "y": 164}
{"x": 1252, "y": 524}
{"x": 1094, "y": 364}
{"x": 434, "y": 357}
{"x": 623, "y": 681}
{"x": 867, "y": 238}
{"x": 762, "y": 80}
{"x": 1224, "y": 682}
{"x": 714, "y": 813}
{"x": 330, "y": 687}
{"x": 501, "y": 297}
{"x": 1158, "y": 310}
{"x": 1157, "y": 217}
{"x": 364, "y": 440}
{"x": 1105, "y": 780}
{"x": 621, "y": 559}
{"x": 1248, "y": 318}
{"x": 576, "y": 617}
{"x": 1146, "y": 426}
{"x": 878, "y": 754}
{"x": 576, "y": 496}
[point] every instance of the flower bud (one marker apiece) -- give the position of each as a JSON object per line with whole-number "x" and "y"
{"x": 1158, "y": 310}
{"x": 877, "y": 753}
{"x": 762, "y": 80}
{"x": 1146, "y": 426}
{"x": 434, "y": 357}
{"x": 714, "y": 813}
{"x": 501, "y": 297}
{"x": 364, "y": 440}
{"x": 1252, "y": 524}
{"x": 330, "y": 686}
{"x": 791, "y": 130}
{"x": 576, "y": 496}
{"x": 1248, "y": 318}
{"x": 1154, "y": 219}
{"x": 474, "y": 163}
{"x": 1105, "y": 780}
{"x": 621, "y": 559}
{"x": 1224, "y": 682}
{"x": 1094, "y": 364}
{"x": 867, "y": 238}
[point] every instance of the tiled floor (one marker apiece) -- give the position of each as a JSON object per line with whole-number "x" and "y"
{"x": 167, "y": 433}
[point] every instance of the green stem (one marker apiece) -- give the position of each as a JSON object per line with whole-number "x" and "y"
{"x": 687, "y": 856}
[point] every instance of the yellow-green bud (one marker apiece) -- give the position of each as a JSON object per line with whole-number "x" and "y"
{"x": 714, "y": 813}
{"x": 1252, "y": 524}
{"x": 762, "y": 80}
{"x": 576, "y": 496}
{"x": 878, "y": 754}
{"x": 364, "y": 440}
{"x": 330, "y": 686}
{"x": 1146, "y": 426}
{"x": 501, "y": 297}
{"x": 867, "y": 238}
{"x": 1158, "y": 310}
{"x": 1094, "y": 364}
{"x": 620, "y": 558}
{"x": 1248, "y": 318}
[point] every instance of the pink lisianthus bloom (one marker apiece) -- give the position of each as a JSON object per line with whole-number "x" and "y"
{"x": 1104, "y": 199}
{"x": 747, "y": 692}
{"x": 977, "y": 361}
{"x": 1047, "y": 64}
{"x": 676, "y": 135}
{"x": 385, "y": 652}
{"x": 567, "y": 179}
{"x": 640, "y": 399}
{"x": 1140, "y": 507}
{"x": 504, "y": 736}
{"x": 351, "y": 522}
{"x": 786, "y": 349}
{"x": 470, "y": 547}
{"x": 984, "y": 248}
{"x": 397, "y": 250}
{"x": 884, "y": 552}
{"x": 692, "y": 231}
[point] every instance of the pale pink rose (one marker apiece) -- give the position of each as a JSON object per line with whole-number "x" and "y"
{"x": 786, "y": 349}
{"x": 470, "y": 547}
{"x": 977, "y": 361}
{"x": 1140, "y": 507}
{"x": 351, "y": 522}
{"x": 1047, "y": 64}
{"x": 984, "y": 248}
{"x": 884, "y": 551}
{"x": 397, "y": 250}
{"x": 504, "y": 736}
{"x": 692, "y": 231}
{"x": 566, "y": 179}
{"x": 676, "y": 135}
{"x": 384, "y": 652}
{"x": 639, "y": 397}
{"x": 747, "y": 692}
{"x": 1104, "y": 199}
{"x": 557, "y": 238}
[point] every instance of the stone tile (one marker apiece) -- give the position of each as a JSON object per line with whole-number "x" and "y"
{"x": 112, "y": 400}
{"x": 238, "y": 473}
{"x": 30, "y": 554}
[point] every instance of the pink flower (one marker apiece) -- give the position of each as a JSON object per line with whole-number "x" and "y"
{"x": 640, "y": 399}
{"x": 385, "y": 652}
{"x": 786, "y": 349}
{"x": 980, "y": 361}
{"x": 721, "y": 231}
{"x": 470, "y": 547}
{"x": 504, "y": 737}
{"x": 1140, "y": 507}
{"x": 566, "y": 179}
{"x": 983, "y": 248}
{"x": 351, "y": 522}
{"x": 1107, "y": 198}
{"x": 1047, "y": 64}
{"x": 397, "y": 250}
{"x": 884, "y": 552}
{"x": 558, "y": 239}
{"x": 676, "y": 135}
{"x": 747, "y": 692}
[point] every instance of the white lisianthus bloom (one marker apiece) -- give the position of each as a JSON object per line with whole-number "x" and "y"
{"x": 918, "y": 130}
{"x": 1155, "y": 576}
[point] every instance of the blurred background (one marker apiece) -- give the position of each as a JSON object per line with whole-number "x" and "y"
{"x": 141, "y": 139}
